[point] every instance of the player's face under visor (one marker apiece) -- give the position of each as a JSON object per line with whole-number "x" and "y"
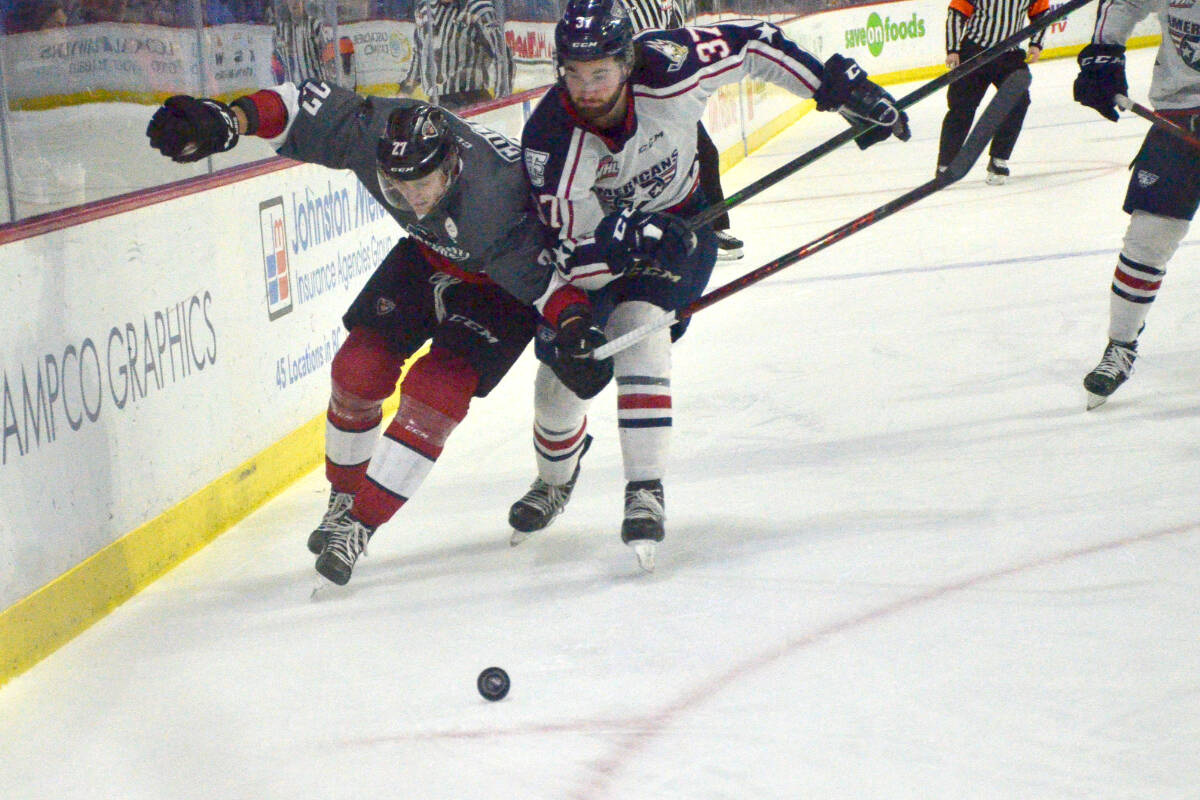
{"x": 419, "y": 195}
{"x": 595, "y": 87}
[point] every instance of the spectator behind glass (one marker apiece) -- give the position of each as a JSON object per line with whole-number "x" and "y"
{"x": 35, "y": 15}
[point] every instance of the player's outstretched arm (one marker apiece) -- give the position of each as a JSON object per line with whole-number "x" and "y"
{"x": 186, "y": 129}
{"x": 845, "y": 88}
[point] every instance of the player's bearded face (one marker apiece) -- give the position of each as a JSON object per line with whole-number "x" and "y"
{"x": 596, "y": 88}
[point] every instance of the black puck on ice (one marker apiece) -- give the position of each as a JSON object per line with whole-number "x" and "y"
{"x": 493, "y": 683}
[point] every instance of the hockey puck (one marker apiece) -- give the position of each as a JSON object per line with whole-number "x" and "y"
{"x": 493, "y": 683}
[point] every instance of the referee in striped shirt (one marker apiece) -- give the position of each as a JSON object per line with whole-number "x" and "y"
{"x": 666, "y": 14}
{"x": 461, "y": 54}
{"x": 972, "y": 26}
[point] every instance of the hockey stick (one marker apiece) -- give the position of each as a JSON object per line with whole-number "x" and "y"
{"x": 1006, "y": 98}
{"x": 1157, "y": 120}
{"x": 984, "y": 57}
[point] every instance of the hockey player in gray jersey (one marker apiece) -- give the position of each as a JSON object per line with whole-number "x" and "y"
{"x": 1164, "y": 187}
{"x": 467, "y": 277}
{"x": 611, "y": 155}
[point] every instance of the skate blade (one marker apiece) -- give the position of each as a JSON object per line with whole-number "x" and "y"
{"x": 996, "y": 180}
{"x": 518, "y": 537}
{"x": 644, "y": 551}
{"x": 1095, "y": 401}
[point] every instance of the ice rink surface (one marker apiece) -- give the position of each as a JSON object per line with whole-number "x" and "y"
{"x": 901, "y": 560}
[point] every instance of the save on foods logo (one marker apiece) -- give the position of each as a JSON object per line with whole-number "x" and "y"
{"x": 879, "y": 32}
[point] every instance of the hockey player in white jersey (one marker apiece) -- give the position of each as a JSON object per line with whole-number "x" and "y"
{"x": 466, "y": 279}
{"x": 610, "y": 152}
{"x": 1164, "y": 187}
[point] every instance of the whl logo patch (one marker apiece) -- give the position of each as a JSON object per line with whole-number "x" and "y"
{"x": 275, "y": 258}
{"x": 1146, "y": 179}
{"x": 880, "y": 31}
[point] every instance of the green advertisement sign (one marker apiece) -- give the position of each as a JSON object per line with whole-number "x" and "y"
{"x": 879, "y": 32}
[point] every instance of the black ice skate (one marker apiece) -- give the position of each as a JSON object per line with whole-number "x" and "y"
{"x": 645, "y": 513}
{"x": 997, "y": 171}
{"x": 345, "y": 540}
{"x": 729, "y": 247}
{"x": 339, "y": 504}
{"x": 542, "y": 503}
{"x": 1114, "y": 369}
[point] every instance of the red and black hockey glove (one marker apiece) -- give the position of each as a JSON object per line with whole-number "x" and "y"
{"x": 574, "y": 344}
{"x": 186, "y": 129}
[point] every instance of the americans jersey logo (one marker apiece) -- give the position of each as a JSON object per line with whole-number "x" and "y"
{"x": 649, "y": 183}
{"x": 1185, "y": 35}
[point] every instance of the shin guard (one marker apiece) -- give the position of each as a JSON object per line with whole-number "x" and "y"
{"x": 434, "y": 398}
{"x": 643, "y": 378}
{"x": 1150, "y": 241}
{"x": 364, "y": 374}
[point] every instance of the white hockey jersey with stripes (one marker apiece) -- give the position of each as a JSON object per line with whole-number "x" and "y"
{"x": 1175, "y": 84}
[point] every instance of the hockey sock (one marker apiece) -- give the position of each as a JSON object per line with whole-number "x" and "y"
{"x": 559, "y": 425}
{"x": 364, "y": 375}
{"x": 434, "y": 398}
{"x": 1150, "y": 241}
{"x": 643, "y": 378}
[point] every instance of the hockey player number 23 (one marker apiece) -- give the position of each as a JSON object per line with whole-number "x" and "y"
{"x": 715, "y": 47}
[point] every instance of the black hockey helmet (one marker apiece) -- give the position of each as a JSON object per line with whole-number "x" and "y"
{"x": 417, "y": 141}
{"x": 593, "y": 29}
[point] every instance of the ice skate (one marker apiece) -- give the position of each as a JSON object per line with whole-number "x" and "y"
{"x": 997, "y": 171}
{"x": 729, "y": 247}
{"x": 345, "y": 540}
{"x": 645, "y": 513}
{"x": 339, "y": 504}
{"x": 542, "y": 503}
{"x": 1114, "y": 369}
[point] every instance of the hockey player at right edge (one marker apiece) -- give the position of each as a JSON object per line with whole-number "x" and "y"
{"x": 1164, "y": 188}
{"x": 618, "y": 134}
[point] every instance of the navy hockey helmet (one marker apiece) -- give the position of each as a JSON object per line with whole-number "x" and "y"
{"x": 417, "y": 141}
{"x": 593, "y": 29}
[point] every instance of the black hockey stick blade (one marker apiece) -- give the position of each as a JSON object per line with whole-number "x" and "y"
{"x": 990, "y": 54}
{"x": 1010, "y": 93}
{"x": 1157, "y": 120}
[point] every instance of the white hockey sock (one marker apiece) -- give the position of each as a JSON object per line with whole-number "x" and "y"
{"x": 346, "y": 448}
{"x": 1150, "y": 241}
{"x": 643, "y": 377}
{"x": 559, "y": 427}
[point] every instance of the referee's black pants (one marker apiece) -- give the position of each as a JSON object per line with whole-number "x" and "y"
{"x": 710, "y": 173}
{"x": 963, "y": 98}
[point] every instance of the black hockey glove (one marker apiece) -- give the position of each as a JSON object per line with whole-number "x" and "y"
{"x": 186, "y": 129}
{"x": 1101, "y": 78}
{"x": 574, "y": 344}
{"x": 847, "y": 90}
{"x": 625, "y": 237}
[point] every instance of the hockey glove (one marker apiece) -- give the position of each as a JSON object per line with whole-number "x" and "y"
{"x": 186, "y": 129}
{"x": 629, "y": 236}
{"x": 576, "y": 341}
{"x": 1101, "y": 78}
{"x": 847, "y": 90}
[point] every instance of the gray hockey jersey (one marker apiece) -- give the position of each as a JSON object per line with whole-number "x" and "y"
{"x": 1175, "y": 84}
{"x": 485, "y": 226}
